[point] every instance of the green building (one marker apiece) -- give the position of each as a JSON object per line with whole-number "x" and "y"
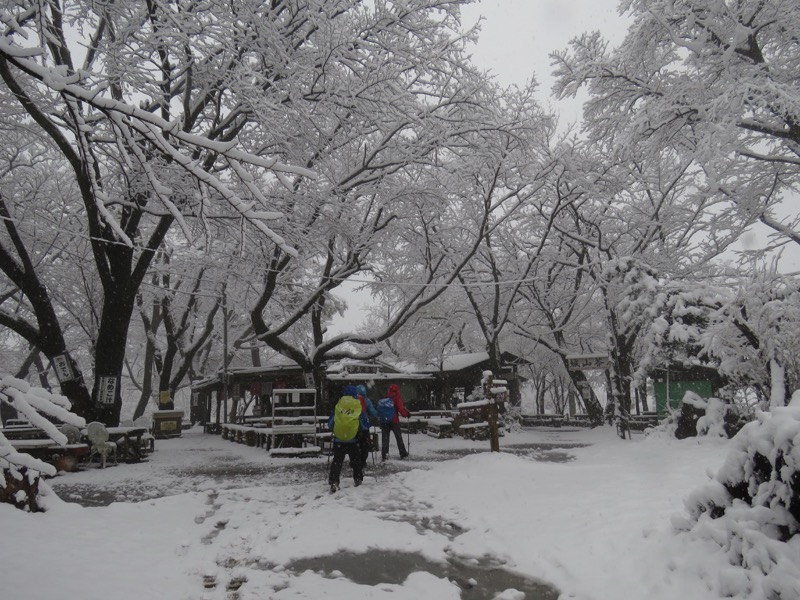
{"x": 672, "y": 384}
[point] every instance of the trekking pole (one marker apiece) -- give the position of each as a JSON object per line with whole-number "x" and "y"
{"x": 330, "y": 451}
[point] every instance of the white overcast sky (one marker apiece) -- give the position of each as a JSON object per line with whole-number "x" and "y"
{"x": 517, "y": 36}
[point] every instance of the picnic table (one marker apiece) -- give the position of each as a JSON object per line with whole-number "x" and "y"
{"x": 440, "y": 428}
{"x": 128, "y": 441}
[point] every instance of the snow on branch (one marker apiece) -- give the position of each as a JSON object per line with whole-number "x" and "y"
{"x": 32, "y": 403}
{"x": 10, "y": 457}
{"x": 171, "y": 140}
{"x": 62, "y": 84}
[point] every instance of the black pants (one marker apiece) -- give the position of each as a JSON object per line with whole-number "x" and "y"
{"x": 398, "y": 435}
{"x": 352, "y": 450}
{"x": 364, "y": 446}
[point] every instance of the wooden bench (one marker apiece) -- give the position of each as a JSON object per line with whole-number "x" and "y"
{"x": 642, "y": 422}
{"x": 440, "y": 428}
{"x": 63, "y": 458}
{"x": 435, "y": 414}
{"x": 257, "y": 437}
{"x": 209, "y": 427}
{"x": 474, "y": 431}
{"x": 542, "y": 420}
{"x": 414, "y": 425}
{"x": 577, "y": 420}
{"x": 296, "y": 439}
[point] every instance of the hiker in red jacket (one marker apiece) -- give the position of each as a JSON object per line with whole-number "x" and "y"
{"x": 393, "y": 424}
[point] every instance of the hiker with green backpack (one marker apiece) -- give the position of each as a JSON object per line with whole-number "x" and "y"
{"x": 345, "y": 421}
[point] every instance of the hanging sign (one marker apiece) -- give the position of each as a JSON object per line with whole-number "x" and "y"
{"x": 62, "y": 368}
{"x": 107, "y": 390}
{"x": 308, "y": 378}
{"x": 588, "y": 362}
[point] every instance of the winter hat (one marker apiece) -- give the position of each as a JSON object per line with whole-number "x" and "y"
{"x": 394, "y": 390}
{"x": 361, "y": 390}
{"x": 350, "y": 390}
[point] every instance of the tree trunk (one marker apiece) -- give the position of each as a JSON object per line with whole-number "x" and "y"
{"x": 110, "y": 355}
{"x": 593, "y": 408}
{"x": 165, "y": 391}
{"x": 151, "y": 325}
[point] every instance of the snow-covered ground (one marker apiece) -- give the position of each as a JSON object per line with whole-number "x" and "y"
{"x": 593, "y": 521}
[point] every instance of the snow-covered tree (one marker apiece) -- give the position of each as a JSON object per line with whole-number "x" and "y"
{"x": 153, "y": 123}
{"x": 713, "y": 80}
{"x": 744, "y": 327}
{"x": 408, "y": 160}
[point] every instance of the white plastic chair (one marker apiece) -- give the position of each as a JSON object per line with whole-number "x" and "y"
{"x": 98, "y": 438}
{"x": 148, "y": 439}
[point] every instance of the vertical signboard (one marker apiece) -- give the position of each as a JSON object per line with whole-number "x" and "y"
{"x": 62, "y": 368}
{"x": 308, "y": 379}
{"x": 107, "y": 390}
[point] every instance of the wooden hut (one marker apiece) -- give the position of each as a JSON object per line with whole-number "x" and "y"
{"x": 459, "y": 375}
{"x": 249, "y": 391}
{"x": 377, "y": 376}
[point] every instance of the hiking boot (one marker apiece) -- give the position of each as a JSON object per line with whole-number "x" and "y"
{"x": 404, "y": 456}
{"x": 334, "y": 488}
{"x": 383, "y": 458}
{"x": 359, "y": 482}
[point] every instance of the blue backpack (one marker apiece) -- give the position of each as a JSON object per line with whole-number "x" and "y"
{"x": 385, "y": 410}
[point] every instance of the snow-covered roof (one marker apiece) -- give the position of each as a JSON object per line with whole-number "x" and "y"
{"x": 276, "y": 364}
{"x": 457, "y": 362}
{"x": 350, "y": 364}
{"x": 378, "y": 376}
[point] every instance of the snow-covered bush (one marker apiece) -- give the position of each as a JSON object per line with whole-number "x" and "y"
{"x": 701, "y": 417}
{"x": 20, "y": 482}
{"x": 751, "y": 509}
{"x": 708, "y": 417}
{"x": 510, "y": 419}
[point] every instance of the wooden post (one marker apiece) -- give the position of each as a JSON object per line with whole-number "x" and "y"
{"x": 491, "y": 413}
{"x": 494, "y": 437}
